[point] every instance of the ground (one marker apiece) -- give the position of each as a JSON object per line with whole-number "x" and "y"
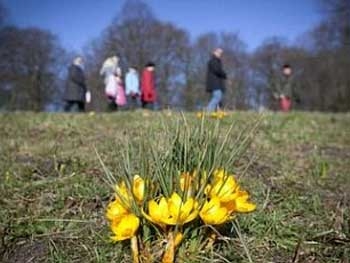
{"x": 53, "y": 192}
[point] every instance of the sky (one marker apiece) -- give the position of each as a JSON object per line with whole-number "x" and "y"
{"x": 76, "y": 22}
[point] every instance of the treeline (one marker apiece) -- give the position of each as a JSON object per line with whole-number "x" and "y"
{"x": 33, "y": 63}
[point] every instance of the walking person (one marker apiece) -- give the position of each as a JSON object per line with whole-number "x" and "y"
{"x": 148, "y": 89}
{"x": 132, "y": 88}
{"x": 120, "y": 99}
{"x": 283, "y": 90}
{"x": 111, "y": 72}
{"x": 215, "y": 83}
{"x": 76, "y": 93}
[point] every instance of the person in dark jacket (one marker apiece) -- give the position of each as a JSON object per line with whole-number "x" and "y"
{"x": 76, "y": 92}
{"x": 216, "y": 77}
{"x": 283, "y": 89}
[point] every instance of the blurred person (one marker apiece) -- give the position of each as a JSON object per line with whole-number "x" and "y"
{"x": 111, "y": 72}
{"x": 148, "y": 89}
{"x": 215, "y": 82}
{"x": 132, "y": 88}
{"x": 76, "y": 93}
{"x": 284, "y": 90}
{"x": 120, "y": 99}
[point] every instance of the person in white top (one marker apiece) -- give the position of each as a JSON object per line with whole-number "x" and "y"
{"x": 111, "y": 71}
{"x": 132, "y": 88}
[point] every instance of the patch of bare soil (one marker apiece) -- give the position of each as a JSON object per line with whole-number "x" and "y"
{"x": 26, "y": 252}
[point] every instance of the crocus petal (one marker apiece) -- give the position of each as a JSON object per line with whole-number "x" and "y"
{"x": 138, "y": 188}
{"x": 191, "y": 217}
{"x": 224, "y": 189}
{"x": 212, "y": 213}
{"x": 211, "y": 206}
{"x": 219, "y": 217}
{"x": 163, "y": 207}
{"x": 219, "y": 173}
{"x": 175, "y": 203}
{"x": 123, "y": 194}
{"x": 243, "y": 206}
{"x": 125, "y": 228}
{"x": 208, "y": 188}
{"x": 158, "y": 212}
{"x": 186, "y": 209}
{"x": 115, "y": 210}
{"x": 148, "y": 217}
{"x": 230, "y": 206}
{"x": 200, "y": 115}
{"x": 179, "y": 212}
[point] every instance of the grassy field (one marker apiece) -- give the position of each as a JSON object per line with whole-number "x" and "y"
{"x": 53, "y": 194}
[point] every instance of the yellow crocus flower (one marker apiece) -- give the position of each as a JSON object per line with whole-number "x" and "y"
{"x": 125, "y": 228}
{"x": 214, "y": 114}
{"x": 228, "y": 192}
{"x": 181, "y": 212}
{"x": 217, "y": 115}
{"x": 224, "y": 188}
{"x": 115, "y": 210}
{"x": 219, "y": 174}
{"x": 240, "y": 204}
{"x": 138, "y": 188}
{"x": 123, "y": 194}
{"x": 200, "y": 115}
{"x": 171, "y": 211}
{"x": 212, "y": 213}
{"x": 157, "y": 212}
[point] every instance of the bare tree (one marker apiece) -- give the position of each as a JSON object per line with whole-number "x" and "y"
{"x": 29, "y": 67}
{"x": 138, "y": 37}
{"x": 326, "y": 74}
{"x": 338, "y": 17}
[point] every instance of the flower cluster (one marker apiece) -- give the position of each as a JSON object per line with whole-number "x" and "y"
{"x": 198, "y": 198}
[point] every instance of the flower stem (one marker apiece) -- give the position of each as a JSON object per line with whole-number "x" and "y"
{"x": 169, "y": 255}
{"x": 210, "y": 241}
{"x": 135, "y": 250}
{"x": 177, "y": 239}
